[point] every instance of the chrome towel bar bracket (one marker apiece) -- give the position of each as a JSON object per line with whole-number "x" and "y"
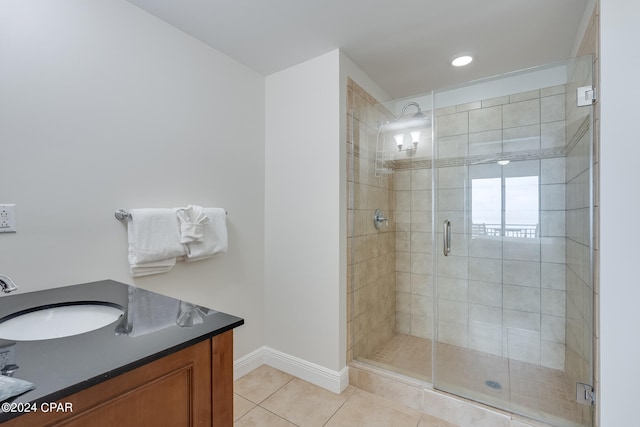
{"x": 121, "y": 215}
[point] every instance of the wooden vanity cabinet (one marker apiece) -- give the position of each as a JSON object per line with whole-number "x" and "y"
{"x": 192, "y": 387}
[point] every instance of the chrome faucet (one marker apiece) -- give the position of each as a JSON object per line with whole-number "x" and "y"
{"x": 6, "y": 284}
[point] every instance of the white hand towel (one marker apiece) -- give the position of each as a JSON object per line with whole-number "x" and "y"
{"x": 192, "y": 221}
{"x": 215, "y": 237}
{"x": 12, "y": 387}
{"x": 148, "y": 268}
{"x": 154, "y": 235}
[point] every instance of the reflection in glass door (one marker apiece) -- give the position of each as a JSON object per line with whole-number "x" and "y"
{"x": 511, "y": 178}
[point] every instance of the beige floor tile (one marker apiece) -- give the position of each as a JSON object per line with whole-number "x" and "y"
{"x": 261, "y": 383}
{"x": 429, "y": 421}
{"x": 259, "y": 417}
{"x": 241, "y": 406}
{"x": 305, "y": 404}
{"x": 364, "y": 409}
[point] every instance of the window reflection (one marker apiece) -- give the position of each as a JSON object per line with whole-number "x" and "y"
{"x": 506, "y": 207}
{"x": 486, "y": 207}
{"x": 521, "y": 207}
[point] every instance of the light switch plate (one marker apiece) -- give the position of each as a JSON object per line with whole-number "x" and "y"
{"x": 7, "y": 218}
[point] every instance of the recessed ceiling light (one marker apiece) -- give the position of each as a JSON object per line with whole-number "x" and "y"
{"x": 461, "y": 61}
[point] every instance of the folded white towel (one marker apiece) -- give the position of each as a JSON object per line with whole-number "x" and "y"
{"x": 215, "y": 239}
{"x": 155, "y": 267}
{"x": 192, "y": 221}
{"x": 154, "y": 235}
{"x": 12, "y": 387}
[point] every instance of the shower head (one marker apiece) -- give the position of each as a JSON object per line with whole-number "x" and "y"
{"x": 417, "y": 120}
{"x": 420, "y": 116}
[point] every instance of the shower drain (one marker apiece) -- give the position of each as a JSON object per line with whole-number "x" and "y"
{"x": 493, "y": 384}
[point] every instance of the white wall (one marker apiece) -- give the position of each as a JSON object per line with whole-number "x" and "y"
{"x": 620, "y": 204}
{"x": 305, "y": 208}
{"x": 103, "y": 106}
{"x": 302, "y": 211}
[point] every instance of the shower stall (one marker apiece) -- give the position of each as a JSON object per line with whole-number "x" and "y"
{"x": 470, "y": 219}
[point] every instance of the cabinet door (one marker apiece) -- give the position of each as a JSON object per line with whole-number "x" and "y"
{"x": 173, "y": 391}
{"x": 166, "y": 400}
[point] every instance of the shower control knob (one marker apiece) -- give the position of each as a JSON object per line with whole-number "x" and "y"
{"x": 379, "y": 219}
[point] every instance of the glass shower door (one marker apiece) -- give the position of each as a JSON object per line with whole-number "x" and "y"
{"x": 512, "y": 245}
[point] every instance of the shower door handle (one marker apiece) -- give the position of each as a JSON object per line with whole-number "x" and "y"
{"x": 447, "y": 237}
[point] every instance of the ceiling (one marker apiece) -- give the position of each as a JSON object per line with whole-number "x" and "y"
{"x": 405, "y": 46}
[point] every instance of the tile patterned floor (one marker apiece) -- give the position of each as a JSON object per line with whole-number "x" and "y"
{"x": 267, "y": 397}
{"x": 522, "y": 385}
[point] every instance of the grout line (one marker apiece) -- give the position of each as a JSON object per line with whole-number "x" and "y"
{"x": 277, "y": 390}
{"x": 280, "y": 416}
{"x": 265, "y": 409}
{"x": 341, "y": 405}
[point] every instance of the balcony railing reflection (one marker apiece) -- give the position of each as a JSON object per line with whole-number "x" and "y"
{"x": 526, "y": 231}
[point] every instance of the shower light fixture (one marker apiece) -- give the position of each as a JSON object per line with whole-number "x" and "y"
{"x": 399, "y": 137}
{"x": 503, "y": 162}
{"x": 402, "y": 128}
{"x": 461, "y": 61}
{"x": 415, "y": 137}
{"x": 411, "y": 125}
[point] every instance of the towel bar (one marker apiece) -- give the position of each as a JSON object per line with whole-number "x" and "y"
{"x": 121, "y": 214}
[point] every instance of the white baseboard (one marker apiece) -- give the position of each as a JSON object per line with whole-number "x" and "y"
{"x": 248, "y": 363}
{"x": 335, "y": 381}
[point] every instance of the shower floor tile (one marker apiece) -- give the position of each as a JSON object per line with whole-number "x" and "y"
{"x": 407, "y": 355}
{"x": 483, "y": 377}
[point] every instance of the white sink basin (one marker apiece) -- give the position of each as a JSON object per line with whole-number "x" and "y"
{"x": 58, "y": 320}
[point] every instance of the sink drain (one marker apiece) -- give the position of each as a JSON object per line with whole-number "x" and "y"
{"x": 493, "y": 384}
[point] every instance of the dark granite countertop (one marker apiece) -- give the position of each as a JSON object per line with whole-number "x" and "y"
{"x": 62, "y": 366}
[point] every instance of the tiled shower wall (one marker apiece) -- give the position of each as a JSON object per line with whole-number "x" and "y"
{"x": 501, "y": 295}
{"x": 371, "y": 285}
